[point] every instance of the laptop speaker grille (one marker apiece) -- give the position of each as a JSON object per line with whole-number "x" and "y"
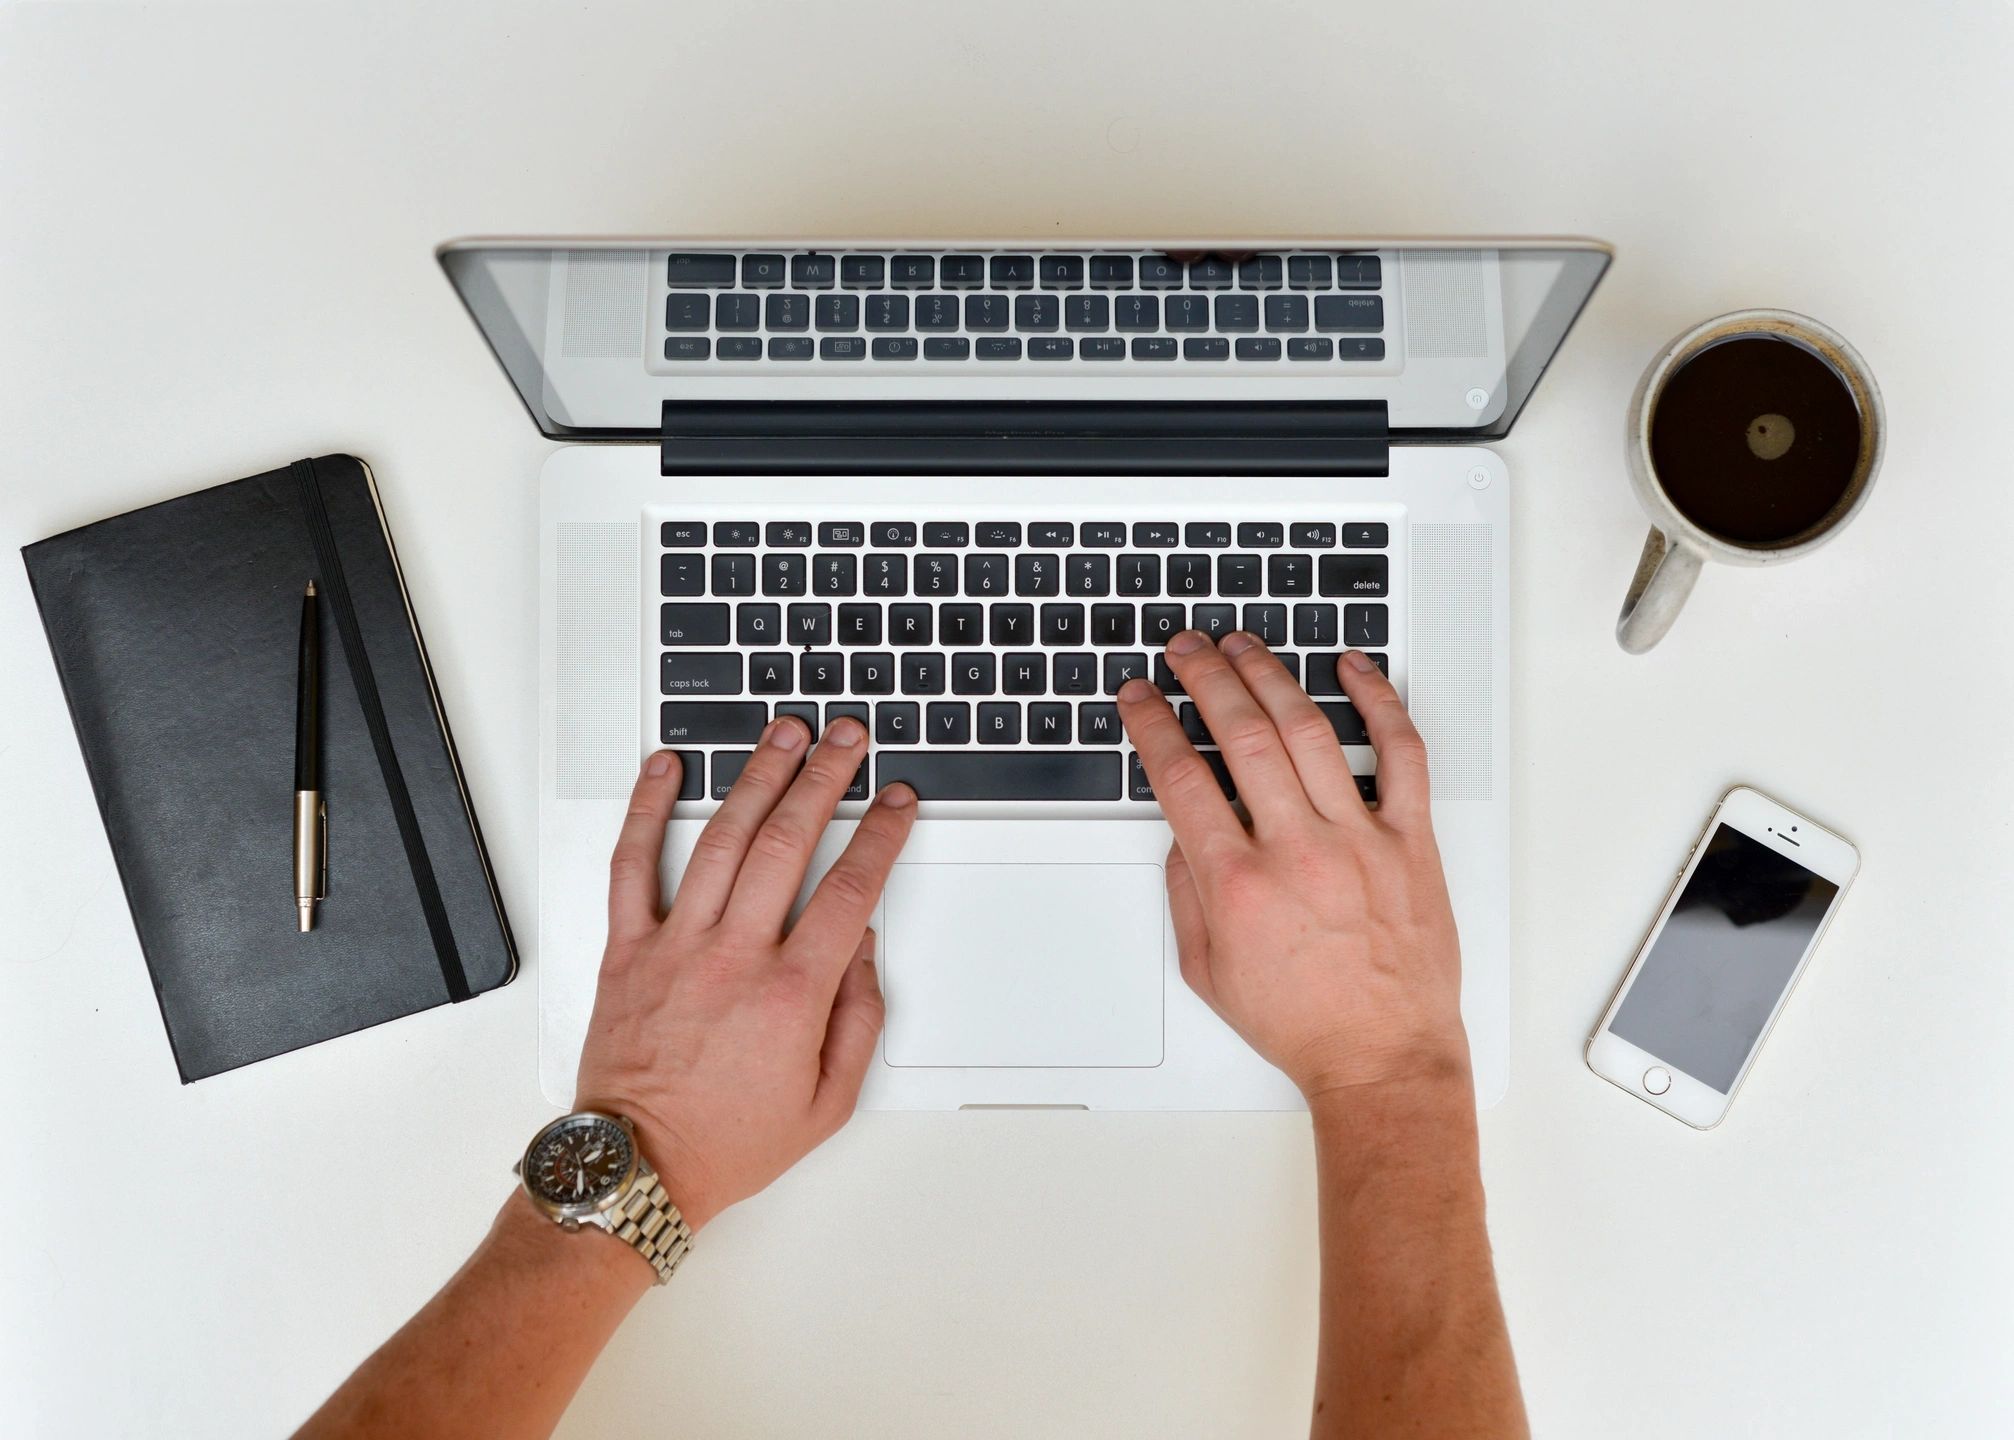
{"x": 604, "y": 306}
{"x": 1444, "y": 305}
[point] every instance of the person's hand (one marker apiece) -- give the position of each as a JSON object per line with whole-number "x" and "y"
{"x": 734, "y": 1044}
{"x": 1320, "y": 931}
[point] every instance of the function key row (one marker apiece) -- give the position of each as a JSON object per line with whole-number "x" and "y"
{"x": 1038, "y": 535}
{"x": 1363, "y": 349}
{"x": 716, "y": 270}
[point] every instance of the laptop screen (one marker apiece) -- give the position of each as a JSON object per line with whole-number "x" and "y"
{"x": 1449, "y": 337}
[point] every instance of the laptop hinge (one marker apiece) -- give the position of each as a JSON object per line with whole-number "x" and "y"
{"x": 894, "y": 437}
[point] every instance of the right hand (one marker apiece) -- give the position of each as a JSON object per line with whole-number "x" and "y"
{"x": 1321, "y": 932}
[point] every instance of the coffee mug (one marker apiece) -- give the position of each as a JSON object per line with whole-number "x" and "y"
{"x": 1753, "y": 439}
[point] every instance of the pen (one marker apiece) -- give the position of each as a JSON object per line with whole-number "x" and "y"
{"x": 311, "y": 816}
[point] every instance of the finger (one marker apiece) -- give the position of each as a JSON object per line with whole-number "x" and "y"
{"x": 1402, "y": 754}
{"x": 1185, "y": 787}
{"x": 723, "y": 844}
{"x": 1251, "y": 745}
{"x": 1310, "y": 739}
{"x": 633, "y": 898}
{"x": 1192, "y": 934}
{"x": 830, "y": 926}
{"x": 773, "y": 871}
{"x": 850, "y": 1036}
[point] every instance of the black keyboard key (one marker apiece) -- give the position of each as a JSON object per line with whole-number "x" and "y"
{"x": 947, "y": 722}
{"x": 1074, "y": 673}
{"x": 1062, "y": 624}
{"x": 1165, "y": 679}
{"x": 1358, "y": 347}
{"x": 1137, "y": 787}
{"x": 1013, "y": 272}
{"x": 809, "y": 625}
{"x": 885, "y": 575}
{"x": 761, "y": 272}
{"x": 787, "y": 312}
{"x": 924, "y": 673}
{"x": 1112, "y": 625}
{"x": 1087, "y": 313}
{"x": 1120, "y": 666}
{"x": 1111, "y": 272}
{"x": 1051, "y": 347}
{"x": 1206, "y": 535}
{"x": 1187, "y": 312}
{"x": 1137, "y": 312}
{"x": 1005, "y": 775}
{"x": 893, "y": 532}
{"x": 838, "y": 312}
{"x": 1098, "y": 724}
{"x": 947, "y": 347}
{"x": 1206, "y": 347}
{"x": 758, "y": 625}
{"x": 846, "y": 710}
{"x": 738, "y": 313}
{"x": 1358, "y": 272}
{"x": 1088, "y": 576}
{"x": 898, "y": 722}
{"x": 682, "y": 534}
{"x": 1161, "y": 623}
{"x": 1309, "y": 272}
{"x": 986, "y": 312}
{"x": 1314, "y": 625}
{"x": 711, "y": 722}
{"x": 1354, "y": 574}
{"x": 961, "y": 625}
{"x": 681, "y": 575}
{"x": 1188, "y": 574}
{"x": 1062, "y": 272}
{"x": 687, "y": 347}
{"x": 1024, "y": 673}
{"x": 1363, "y": 536}
{"x": 1239, "y": 575}
{"x": 1322, "y": 676}
{"x": 842, "y": 347}
{"x": 1268, "y": 622}
{"x": 687, "y": 312}
{"x": 1049, "y": 723}
{"x": 1139, "y": 575}
{"x": 946, "y": 534}
{"x": 1193, "y": 726}
{"x": 1156, "y": 534}
{"x": 1286, "y": 312}
{"x": 1215, "y": 621}
{"x": 691, "y": 774}
{"x": 1104, "y": 535}
{"x": 784, "y": 575}
{"x": 986, "y": 574}
{"x": 1261, "y": 272}
{"x": 861, "y": 272}
{"x": 685, "y": 272}
{"x": 1290, "y": 575}
{"x": 769, "y": 673}
{"x": 712, "y": 673}
{"x": 997, "y": 347}
{"x": 791, "y": 347}
{"x": 1000, "y": 723}
{"x": 936, "y": 312}
{"x": 1037, "y": 312}
{"x": 1154, "y": 347}
{"x": 734, "y": 573}
{"x": 887, "y": 312}
{"x": 787, "y": 534}
{"x": 1303, "y": 347}
{"x": 1236, "y": 313}
{"x": 813, "y": 272}
{"x": 1349, "y": 312}
{"x": 1261, "y": 535}
{"x": 1345, "y": 721}
{"x": 805, "y": 710}
{"x": 962, "y": 272}
{"x": 1008, "y": 625}
{"x": 1258, "y": 348}
{"x": 936, "y": 575}
{"x": 910, "y": 624}
{"x": 873, "y": 673}
{"x": 997, "y": 532}
{"x": 1102, "y": 347}
{"x": 1038, "y": 574}
{"x": 821, "y": 673}
{"x": 859, "y": 624}
{"x": 1365, "y": 625}
{"x": 842, "y": 534}
{"x": 727, "y": 768}
{"x": 1158, "y": 272}
{"x": 1313, "y": 535}
{"x": 1210, "y": 273}
{"x": 972, "y": 673}
{"x": 912, "y": 272}
{"x": 1052, "y": 535}
{"x": 739, "y": 347}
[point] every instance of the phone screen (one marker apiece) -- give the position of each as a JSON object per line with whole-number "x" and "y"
{"x": 1712, "y": 979}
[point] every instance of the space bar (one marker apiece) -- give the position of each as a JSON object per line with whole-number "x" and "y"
{"x": 1016, "y": 775}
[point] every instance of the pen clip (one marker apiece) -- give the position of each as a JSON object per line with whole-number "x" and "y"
{"x": 322, "y": 820}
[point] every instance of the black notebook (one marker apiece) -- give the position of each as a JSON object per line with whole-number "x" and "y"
{"x": 175, "y": 631}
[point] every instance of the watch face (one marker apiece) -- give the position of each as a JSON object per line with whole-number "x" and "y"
{"x": 579, "y": 1162}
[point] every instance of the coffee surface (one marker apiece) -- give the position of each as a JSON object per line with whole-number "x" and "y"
{"x": 1755, "y": 439}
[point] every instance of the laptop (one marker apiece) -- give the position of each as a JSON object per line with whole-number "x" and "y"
{"x": 963, "y": 491}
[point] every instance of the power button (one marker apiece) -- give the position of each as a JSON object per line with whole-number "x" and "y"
{"x": 1657, "y": 1080}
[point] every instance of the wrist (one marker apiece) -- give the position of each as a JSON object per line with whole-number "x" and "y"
{"x": 586, "y": 1264}
{"x": 1421, "y": 1122}
{"x": 678, "y": 1169}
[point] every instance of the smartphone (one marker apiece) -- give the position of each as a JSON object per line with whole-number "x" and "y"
{"x": 1751, "y": 903}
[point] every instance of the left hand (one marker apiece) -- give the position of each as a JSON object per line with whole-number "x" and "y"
{"x": 737, "y": 1045}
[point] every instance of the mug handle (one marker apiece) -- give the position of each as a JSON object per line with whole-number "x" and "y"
{"x": 1664, "y": 577}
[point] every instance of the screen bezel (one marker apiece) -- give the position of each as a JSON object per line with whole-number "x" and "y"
{"x": 1764, "y": 821}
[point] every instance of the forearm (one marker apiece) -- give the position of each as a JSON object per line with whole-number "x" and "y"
{"x": 1413, "y": 1340}
{"x": 499, "y": 1352}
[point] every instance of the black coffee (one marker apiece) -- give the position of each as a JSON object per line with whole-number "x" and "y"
{"x": 1755, "y": 439}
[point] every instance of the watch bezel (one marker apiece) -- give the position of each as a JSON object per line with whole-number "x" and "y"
{"x": 585, "y": 1210}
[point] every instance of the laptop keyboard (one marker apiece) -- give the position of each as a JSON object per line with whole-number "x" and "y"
{"x": 947, "y": 307}
{"x": 983, "y": 655}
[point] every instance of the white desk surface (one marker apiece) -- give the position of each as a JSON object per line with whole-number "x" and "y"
{"x": 215, "y": 256}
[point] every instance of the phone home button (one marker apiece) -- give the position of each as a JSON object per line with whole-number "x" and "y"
{"x": 1657, "y": 1080}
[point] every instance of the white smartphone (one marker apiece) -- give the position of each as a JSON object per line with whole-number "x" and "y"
{"x": 1750, "y": 905}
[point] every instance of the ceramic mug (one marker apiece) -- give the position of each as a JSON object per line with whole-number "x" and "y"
{"x": 1678, "y": 546}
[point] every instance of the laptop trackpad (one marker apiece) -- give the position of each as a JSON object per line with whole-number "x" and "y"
{"x": 1034, "y": 965}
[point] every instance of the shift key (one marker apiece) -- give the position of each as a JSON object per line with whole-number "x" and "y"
{"x": 711, "y": 722}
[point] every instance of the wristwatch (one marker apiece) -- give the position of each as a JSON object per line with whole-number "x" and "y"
{"x": 585, "y": 1169}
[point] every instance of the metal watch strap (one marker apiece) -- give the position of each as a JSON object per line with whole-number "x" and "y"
{"x": 649, "y": 1223}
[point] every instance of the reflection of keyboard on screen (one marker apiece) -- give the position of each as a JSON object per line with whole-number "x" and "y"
{"x": 983, "y": 655}
{"x": 941, "y": 307}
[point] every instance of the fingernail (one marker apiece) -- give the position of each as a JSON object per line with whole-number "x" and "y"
{"x": 898, "y": 796}
{"x": 657, "y": 764}
{"x": 1136, "y": 690}
{"x": 845, "y": 733}
{"x": 1188, "y": 642}
{"x": 1358, "y": 660}
{"x": 785, "y": 734}
{"x": 1237, "y": 643}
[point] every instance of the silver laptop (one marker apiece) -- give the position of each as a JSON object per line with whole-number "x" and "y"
{"x": 963, "y": 492}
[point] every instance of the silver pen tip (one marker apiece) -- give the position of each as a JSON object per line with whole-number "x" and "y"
{"x": 311, "y": 588}
{"x": 307, "y": 909}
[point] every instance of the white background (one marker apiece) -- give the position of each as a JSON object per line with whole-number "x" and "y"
{"x": 216, "y": 227}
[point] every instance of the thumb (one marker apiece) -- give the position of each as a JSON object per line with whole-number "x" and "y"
{"x": 850, "y": 1036}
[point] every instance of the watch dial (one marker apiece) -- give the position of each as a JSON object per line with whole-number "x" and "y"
{"x": 579, "y": 1162}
